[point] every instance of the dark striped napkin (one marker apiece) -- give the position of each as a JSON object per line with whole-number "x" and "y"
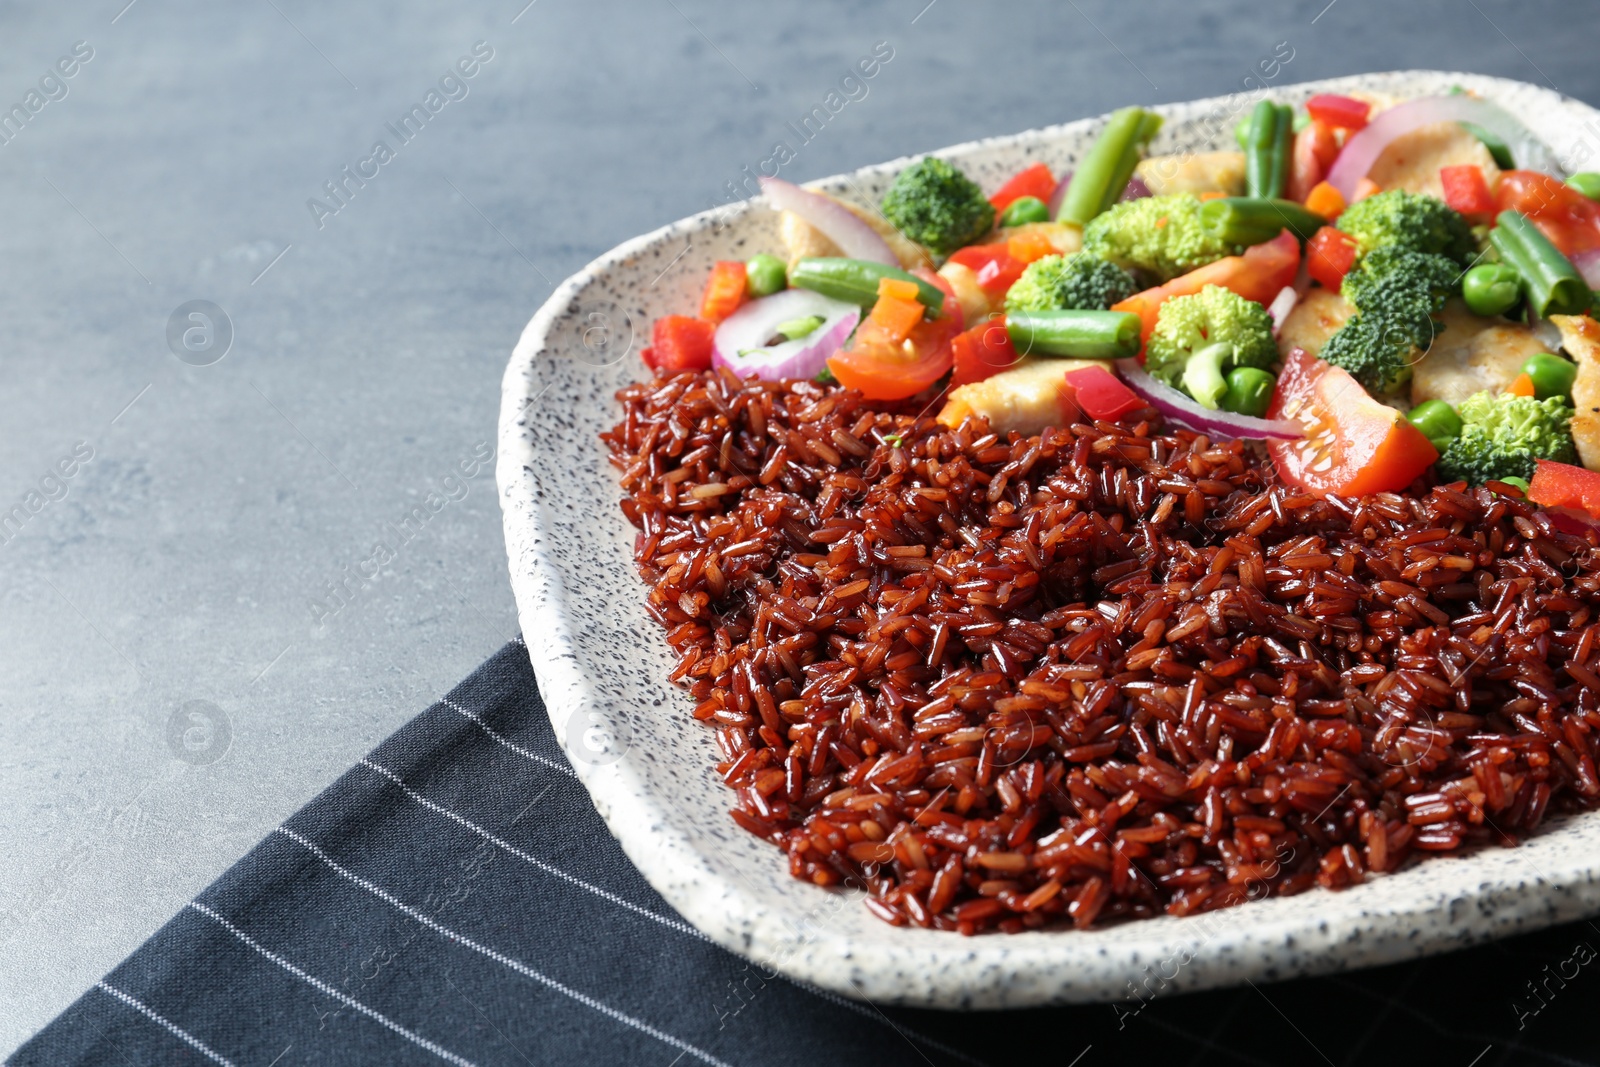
{"x": 454, "y": 897}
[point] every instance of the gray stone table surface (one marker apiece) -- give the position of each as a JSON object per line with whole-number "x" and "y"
{"x": 198, "y": 626}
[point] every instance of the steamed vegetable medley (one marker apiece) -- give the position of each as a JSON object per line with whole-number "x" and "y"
{"x": 1369, "y": 287}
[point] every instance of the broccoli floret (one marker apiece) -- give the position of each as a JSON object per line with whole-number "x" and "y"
{"x": 1412, "y": 221}
{"x": 1199, "y": 338}
{"x": 1502, "y": 435}
{"x": 1158, "y": 235}
{"x": 1078, "y": 281}
{"x": 937, "y": 206}
{"x": 1396, "y": 293}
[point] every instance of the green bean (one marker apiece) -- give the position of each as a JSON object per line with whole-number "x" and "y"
{"x": 1438, "y": 422}
{"x": 764, "y": 275}
{"x": 1244, "y": 220}
{"x": 1551, "y": 283}
{"x": 1271, "y": 144}
{"x": 1491, "y": 288}
{"x": 1498, "y": 149}
{"x": 1081, "y": 334}
{"x": 1587, "y": 183}
{"x": 1551, "y": 375}
{"x": 1108, "y": 165}
{"x": 1249, "y": 391}
{"x": 856, "y": 281}
{"x": 1025, "y": 209}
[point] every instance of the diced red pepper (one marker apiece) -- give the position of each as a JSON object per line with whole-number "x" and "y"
{"x": 1329, "y": 256}
{"x": 1466, "y": 190}
{"x": 1343, "y": 112}
{"x": 1031, "y": 181}
{"x": 725, "y": 291}
{"x": 679, "y": 343}
{"x": 1562, "y": 485}
{"x": 993, "y": 264}
{"x": 1101, "y": 394}
{"x": 982, "y": 352}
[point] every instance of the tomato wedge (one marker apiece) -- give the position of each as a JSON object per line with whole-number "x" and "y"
{"x": 1570, "y": 219}
{"x": 1030, "y": 181}
{"x": 1354, "y": 446}
{"x": 884, "y": 370}
{"x": 982, "y": 352}
{"x": 1329, "y": 257}
{"x": 1259, "y": 275}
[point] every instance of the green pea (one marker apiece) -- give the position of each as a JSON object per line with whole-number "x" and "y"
{"x": 1249, "y": 391}
{"x": 1438, "y": 422}
{"x": 1025, "y": 209}
{"x": 765, "y": 274}
{"x": 1552, "y": 375}
{"x": 1491, "y": 288}
{"x": 1512, "y": 479}
{"x": 1587, "y": 183}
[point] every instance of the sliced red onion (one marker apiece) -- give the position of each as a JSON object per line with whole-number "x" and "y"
{"x": 1281, "y": 305}
{"x": 750, "y": 328}
{"x": 1183, "y": 409}
{"x": 1588, "y": 264}
{"x": 838, "y": 223}
{"x": 1136, "y": 189}
{"x": 1060, "y": 193}
{"x": 1364, "y": 148}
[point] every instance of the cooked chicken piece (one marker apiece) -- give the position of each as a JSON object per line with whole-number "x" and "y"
{"x": 801, "y": 239}
{"x": 1026, "y": 398}
{"x": 1314, "y": 319}
{"x": 1580, "y": 336}
{"x": 1193, "y": 172}
{"x": 975, "y": 306}
{"x": 1470, "y": 354}
{"x": 1412, "y": 160}
{"x": 1066, "y": 237}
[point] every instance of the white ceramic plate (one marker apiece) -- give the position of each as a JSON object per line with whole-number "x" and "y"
{"x": 602, "y": 664}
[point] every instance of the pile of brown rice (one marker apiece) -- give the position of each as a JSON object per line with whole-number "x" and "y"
{"x": 1102, "y": 673}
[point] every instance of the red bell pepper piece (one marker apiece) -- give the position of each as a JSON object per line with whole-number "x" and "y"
{"x": 1101, "y": 394}
{"x": 994, "y": 265}
{"x": 1343, "y": 112}
{"x": 1030, "y": 181}
{"x": 982, "y": 352}
{"x": 725, "y": 291}
{"x": 1562, "y": 485}
{"x": 679, "y": 343}
{"x": 1466, "y": 190}
{"x": 1329, "y": 256}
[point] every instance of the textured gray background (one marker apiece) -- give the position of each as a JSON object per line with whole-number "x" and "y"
{"x": 184, "y": 559}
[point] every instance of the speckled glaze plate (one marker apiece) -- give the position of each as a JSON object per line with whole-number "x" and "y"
{"x": 602, "y": 664}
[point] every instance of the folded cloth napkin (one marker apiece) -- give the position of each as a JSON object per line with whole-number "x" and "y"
{"x": 454, "y": 897}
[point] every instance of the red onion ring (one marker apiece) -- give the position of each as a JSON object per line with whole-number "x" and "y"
{"x": 748, "y": 329}
{"x": 1182, "y": 409}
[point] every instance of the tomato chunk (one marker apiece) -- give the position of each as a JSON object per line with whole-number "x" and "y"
{"x": 1101, "y": 394}
{"x": 1259, "y": 275}
{"x": 1315, "y": 149}
{"x": 1466, "y": 190}
{"x": 1570, "y": 219}
{"x": 1354, "y": 445}
{"x": 982, "y": 352}
{"x": 725, "y": 291}
{"x": 882, "y": 369}
{"x": 1329, "y": 257}
{"x": 1344, "y": 112}
{"x": 1030, "y": 181}
{"x": 679, "y": 343}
